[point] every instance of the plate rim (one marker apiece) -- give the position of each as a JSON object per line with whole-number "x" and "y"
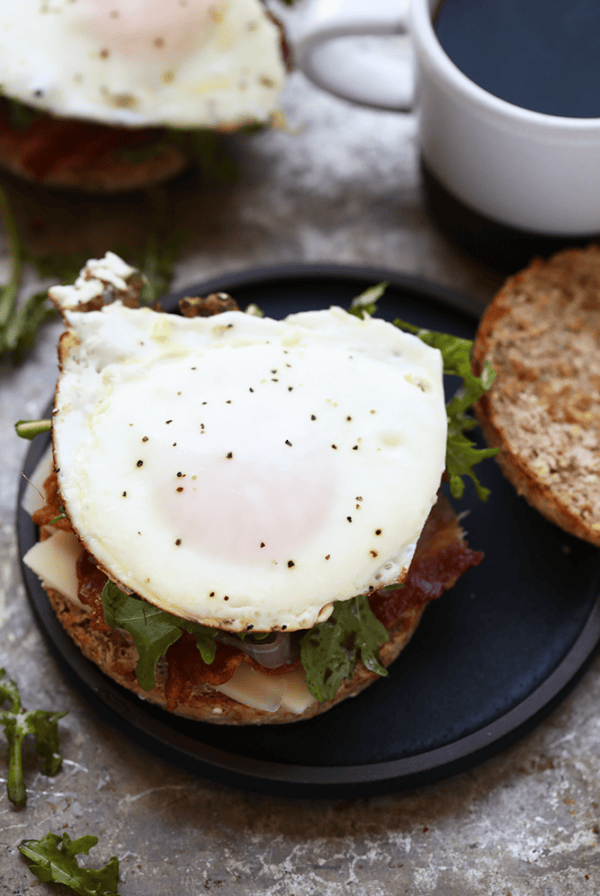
{"x": 430, "y": 289}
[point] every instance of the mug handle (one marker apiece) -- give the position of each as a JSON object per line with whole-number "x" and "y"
{"x": 371, "y": 79}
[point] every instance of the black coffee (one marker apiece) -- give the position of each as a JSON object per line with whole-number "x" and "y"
{"x": 543, "y": 55}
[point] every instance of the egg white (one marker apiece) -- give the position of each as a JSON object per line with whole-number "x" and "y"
{"x": 178, "y": 63}
{"x": 242, "y": 471}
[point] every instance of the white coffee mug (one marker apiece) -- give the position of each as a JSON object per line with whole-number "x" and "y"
{"x": 528, "y": 170}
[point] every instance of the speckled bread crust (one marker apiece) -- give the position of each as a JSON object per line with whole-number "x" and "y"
{"x": 116, "y": 655}
{"x": 541, "y": 333}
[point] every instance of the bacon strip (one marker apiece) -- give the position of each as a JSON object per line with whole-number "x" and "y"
{"x": 187, "y": 668}
{"x": 442, "y": 556}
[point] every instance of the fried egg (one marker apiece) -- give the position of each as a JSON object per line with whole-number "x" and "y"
{"x": 177, "y": 63}
{"x": 240, "y": 471}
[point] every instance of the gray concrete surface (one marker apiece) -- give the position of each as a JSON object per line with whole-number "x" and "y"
{"x": 339, "y": 184}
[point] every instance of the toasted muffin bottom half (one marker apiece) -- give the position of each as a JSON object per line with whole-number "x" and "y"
{"x": 442, "y": 556}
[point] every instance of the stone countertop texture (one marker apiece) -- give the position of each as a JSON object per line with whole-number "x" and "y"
{"x": 340, "y": 184}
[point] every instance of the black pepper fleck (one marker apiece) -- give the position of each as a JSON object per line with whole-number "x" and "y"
{"x": 373, "y": 553}
{"x": 180, "y": 474}
{"x": 355, "y": 447}
{"x": 290, "y": 564}
{"x": 180, "y": 489}
{"x": 124, "y": 495}
{"x": 334, "y": 446}
{"x": 262, "y": 544}
{"x": 312, "y": 417}
{"x": 225, "y": 598}
{"x": 327, "y": 556}
{"x": 287, "y": 442}
{"x": 378, "y": 531}
{"x": 349, "y": 518}
{"x": 178, "y": 542}
{"x": 168, "y": 421}
{"x": 140, "y": 463}
{"x": 145, "y": 439}
{"x": 230, "y": 455}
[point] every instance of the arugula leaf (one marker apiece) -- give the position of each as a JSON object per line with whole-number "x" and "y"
{"x": 18, "y": 326}
{"x": 19, "y": 722}
{"x": 153, "y": 630}
{"x": 365, "y": 303}
{"x": 54, "y": 861}
{"x": 8, "y": 293}
{"x": 461, "y": 453}
{"x": 29, "y": 429}
{"x": 62, "y": 515}
{"x": 330, "y": 650}
{"x": 20, "y": 114}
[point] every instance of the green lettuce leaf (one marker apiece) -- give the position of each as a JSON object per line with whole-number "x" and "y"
{"x": 461, "y": 453}
{"x": 330, "y": 650}
{"x": 153, "y": 630}
{"x": 54, "y": 861}
{"x": 18, "y": 722}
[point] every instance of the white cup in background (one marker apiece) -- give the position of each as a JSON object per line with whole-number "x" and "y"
{"x": 524, "y": 169}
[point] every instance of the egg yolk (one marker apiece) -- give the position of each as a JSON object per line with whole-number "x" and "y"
{"x": 245, "y": 493}
{"x": 163, "y": 29}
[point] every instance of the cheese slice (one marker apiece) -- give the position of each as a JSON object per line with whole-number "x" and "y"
{"x": 252, "y": 688}
{"x": 54, "y": 561}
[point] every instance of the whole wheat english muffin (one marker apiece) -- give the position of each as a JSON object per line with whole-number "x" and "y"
{"x": 541, "y": 333}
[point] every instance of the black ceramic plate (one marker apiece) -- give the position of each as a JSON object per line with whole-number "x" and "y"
{"x": 489, "y": 660}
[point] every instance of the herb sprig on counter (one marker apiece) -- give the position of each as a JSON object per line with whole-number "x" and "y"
{"x": 18, "y": 326}
{"x": 19, "y": 722}
{"x": 19, "y": 323}
{"x": 54, "y": 861}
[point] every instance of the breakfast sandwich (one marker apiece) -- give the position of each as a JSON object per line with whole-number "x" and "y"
{"x": 247, "y": 510}
{"x": 117, "y": 94}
